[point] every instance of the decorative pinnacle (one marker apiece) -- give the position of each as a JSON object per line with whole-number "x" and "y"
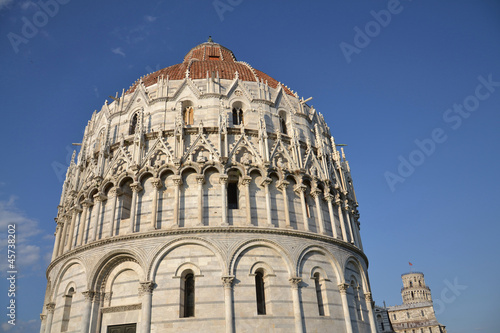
{"x": 210, "y": 40}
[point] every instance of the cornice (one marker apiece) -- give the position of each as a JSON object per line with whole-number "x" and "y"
{"x": 208, "y": 230}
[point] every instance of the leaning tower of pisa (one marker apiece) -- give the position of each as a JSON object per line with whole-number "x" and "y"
{"x": 208, "y": 197}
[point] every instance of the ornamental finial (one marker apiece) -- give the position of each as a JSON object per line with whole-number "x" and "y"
{"x": 210, "y": 40}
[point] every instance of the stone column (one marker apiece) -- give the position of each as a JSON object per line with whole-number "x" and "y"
{"x": 246, "y": 183}
{"x": 300, "y": 189}
{"x": 315, "y": 194}
{"x": 58, "y": 232}
{"x": 223, "y": 182}
{"x": 157, "y": 185}
{"x": 87, "y": 307}
{"x": 369, "y": 305}
{"x": 297, "y": 309}
{"x": 347, "y": 317}
{"x": 49, "y": 307}
{"x": 265, "y": 182}
{"x": 227, "y": 281}
{"x": 136, "y": 188}
{"x": 329, "y": 199}
{"x": 76, "y": 209}
{"x": 200, "y": 180}
{"x": 42, "y": 320}
{"x": 283, "y": 186}
{"x": 349, "y": 224}
{"x": 63, "y": 238}
{"x": 341, "y": 220}
{"x": 358, "y": 234}
{"x": 95, "y": 313}
{"x": 146, "y": 291}
{"x": 83, "y": 220}
{"x": 99, "y": 198}
{"x": 115, "y": 193}
{"x": 177, "y": 182}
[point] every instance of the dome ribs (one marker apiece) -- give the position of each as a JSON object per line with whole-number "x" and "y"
{"x": 209, "y": 57}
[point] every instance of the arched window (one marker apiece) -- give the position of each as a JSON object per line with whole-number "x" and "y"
{"x": 187, "y": 295}
{"x": 408, "y": 314}
{"x": 125, "y": 200}
{"x": 232, "y": 195}
{"x": 68, "y": 300}
{"x": 411, "y": 284}
{"x": 188, "y": 115}
{"x": 260, "y": 293}
{"x": 282, "y": 118}
{"x": 412, "y": 295}
{"x": 133, "y": 124}
{"x": 422, "y": 312}
{"x": 319, "y": 294}
{"x": 394, "y": 316}
{"x": 237, "y": 116}
{"x": 357, "y": 304}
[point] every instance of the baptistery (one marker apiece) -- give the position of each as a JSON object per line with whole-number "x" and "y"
{"x": 208, "y": 197}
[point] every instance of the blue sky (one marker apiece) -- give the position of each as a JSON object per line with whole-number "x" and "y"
{"x": 412, "y": 87}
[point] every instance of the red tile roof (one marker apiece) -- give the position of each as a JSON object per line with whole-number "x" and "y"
{"x": 209, "y": 57}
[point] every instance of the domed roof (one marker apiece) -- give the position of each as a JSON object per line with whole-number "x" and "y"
{"x": 210, "y": 58}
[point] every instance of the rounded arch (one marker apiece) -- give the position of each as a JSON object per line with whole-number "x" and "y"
{"x": 108, "y": 262}
{"x": 333, "y": 261}
{"x": 195, "y": 168}
{"x": 282, "y": 109}
{"x": 64, "y": 268}
{"x": 276, "y": 173}
{"x": 235, "y": 168}
{"x": 306, "y": 180}
{"x": 164, "y": 250}
{"x": 109, "y": 279}
{"x": 217, "y": 167}
{"x": 164, "y": 171}
{"x": 259, "y": 242}
{"x": 187, "y": 109}
{"x": 106, "y": 186}
{"x": 361, "y": 269}
{"x": 143, "y": 175}
{"x": 283, "y": 117}
{"x": 238, "y": 102}
{"x": 81, "y": 197}
{"x": 124, "y": 179}
{"x": 261, "y": 265}
{"x": 261, "y": 172}
{"x": 238, "y": 110}
{"x": 133, "y": 120}
{"x": 91, "y": 192}
{"x": 293, "y": 177}
{"x": 71, "y": 285}
{"x": 318, "y": 270}
{"x": 188, "y": 266}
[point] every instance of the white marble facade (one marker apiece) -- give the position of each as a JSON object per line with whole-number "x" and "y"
{"x": 210, "y": 172}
